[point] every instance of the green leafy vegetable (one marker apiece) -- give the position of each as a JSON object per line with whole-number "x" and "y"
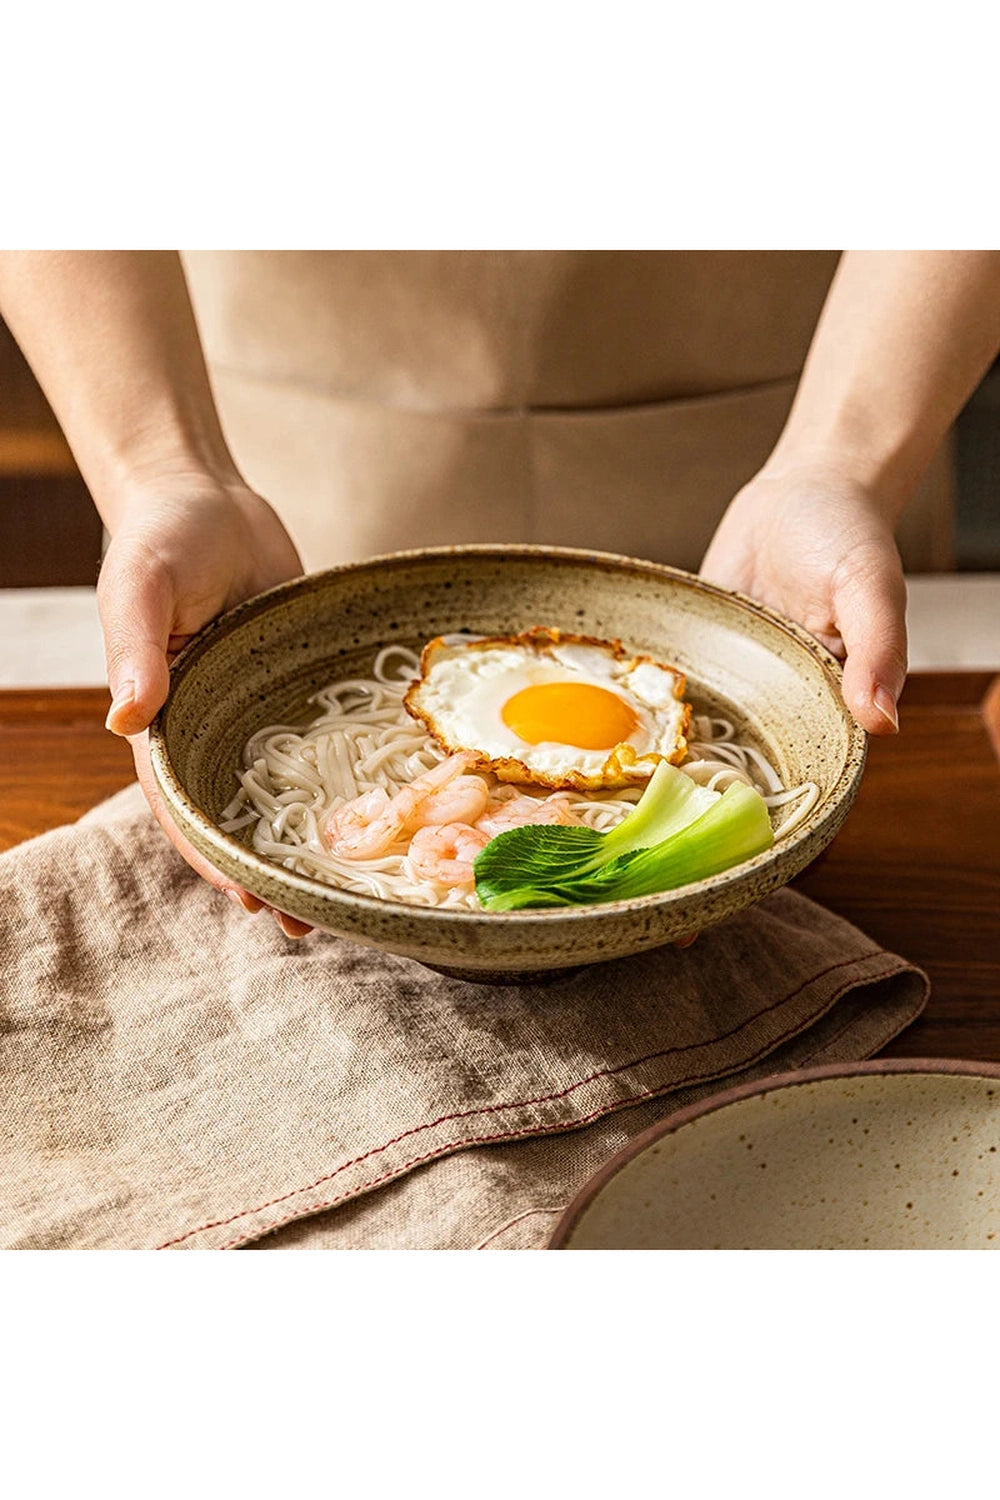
{"x": 678, "y": 832}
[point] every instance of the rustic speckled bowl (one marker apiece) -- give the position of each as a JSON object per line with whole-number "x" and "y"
{"x": 887, "y": 1155}
{"x": 260, "y": 662}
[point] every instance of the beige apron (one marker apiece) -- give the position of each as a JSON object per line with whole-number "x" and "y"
{"x": 601, "y": 399}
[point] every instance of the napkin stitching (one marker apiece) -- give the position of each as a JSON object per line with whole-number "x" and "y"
{"x": 483, "y": 1140}
{"x": 469, "y": 1140}
{"x": 507, "y": 1135}
{"x": 485, "y": 1109}
{"x": 825, "y": 1046}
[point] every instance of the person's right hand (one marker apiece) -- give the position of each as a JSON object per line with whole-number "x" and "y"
{"x": 183, "y": 551}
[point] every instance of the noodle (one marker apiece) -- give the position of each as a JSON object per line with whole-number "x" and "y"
{"x": 363, "y": 739}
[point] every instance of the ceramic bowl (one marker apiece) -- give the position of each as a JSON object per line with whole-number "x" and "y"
{"x": 260, "y": 662}
{"x": 886, "y": 1155}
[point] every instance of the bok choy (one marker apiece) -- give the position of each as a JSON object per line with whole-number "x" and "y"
{"x": 677, "y": 833}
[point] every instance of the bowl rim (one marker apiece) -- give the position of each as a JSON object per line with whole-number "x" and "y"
{"x": 755, "y": 1088}
{"x": 789, "y": 853}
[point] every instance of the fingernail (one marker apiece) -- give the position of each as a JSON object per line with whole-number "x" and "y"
{"x": 124, "y": 694}
{"x": 886, "y": 705}
{"x": 290, "y": 926}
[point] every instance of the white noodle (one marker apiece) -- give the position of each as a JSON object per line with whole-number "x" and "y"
{"x": 363, "y": 738}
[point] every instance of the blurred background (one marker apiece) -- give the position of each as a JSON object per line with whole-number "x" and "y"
{"x": 50, "y": 533}
{"x": 51, "y": 542}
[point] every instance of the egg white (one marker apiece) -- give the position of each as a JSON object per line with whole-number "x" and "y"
{"x": 465, "y": 683}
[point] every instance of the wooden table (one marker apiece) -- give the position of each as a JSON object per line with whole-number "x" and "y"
{"x": 916, "y": 866}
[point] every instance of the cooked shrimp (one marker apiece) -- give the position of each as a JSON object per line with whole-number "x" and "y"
{"x": 354, "y": 818}
{"x": 366, "y": 828}
{"x": 444, "y": 852}
{"x": 518, "y": 812}
{"x": 462, "y": 801}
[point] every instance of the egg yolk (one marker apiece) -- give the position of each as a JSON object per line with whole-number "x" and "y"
{"x": 569, "y": 713}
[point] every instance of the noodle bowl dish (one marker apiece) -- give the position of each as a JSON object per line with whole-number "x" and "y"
{"x": 506, "y": 761}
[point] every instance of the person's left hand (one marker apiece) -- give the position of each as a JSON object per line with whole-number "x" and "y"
{"x": 816, "y": 545}
{"x": 184, "y": 549}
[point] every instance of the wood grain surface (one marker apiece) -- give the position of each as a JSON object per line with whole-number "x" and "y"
{"x": 916, "y": 866}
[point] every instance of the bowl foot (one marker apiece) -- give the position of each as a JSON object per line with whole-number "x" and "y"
{"x": 506, "y": 976}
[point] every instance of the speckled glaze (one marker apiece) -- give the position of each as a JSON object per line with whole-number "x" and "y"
{"x": 887, "y": 1155}
{"x": 260, "y": 662}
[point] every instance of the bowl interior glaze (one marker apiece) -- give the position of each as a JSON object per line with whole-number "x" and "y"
{"x": 891, "y": 1155}
{"x": 260, "y": 663}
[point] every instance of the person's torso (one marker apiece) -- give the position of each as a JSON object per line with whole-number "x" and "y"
{"x": 511, "y": 329}
{"x": 600, "y": 399}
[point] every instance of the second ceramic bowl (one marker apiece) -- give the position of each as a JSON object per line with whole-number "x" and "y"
{"x": 892, "y": 1154}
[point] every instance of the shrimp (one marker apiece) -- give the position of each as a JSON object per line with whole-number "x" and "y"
{"x": 369, "y": 825}
{"x": 443, "y": 853}
{"x": 462, "y": 801}
{"x": 517, "y": 812}
{"x": 354, "y": 818}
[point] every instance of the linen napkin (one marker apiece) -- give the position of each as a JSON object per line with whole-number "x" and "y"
{"x": 176, "y": 1074}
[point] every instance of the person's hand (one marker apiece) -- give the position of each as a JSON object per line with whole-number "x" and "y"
{"x": 815, "y": 545}
{"x": 183, "y": 551}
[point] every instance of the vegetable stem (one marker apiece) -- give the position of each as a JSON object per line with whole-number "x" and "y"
{"x": 679, "y": 832}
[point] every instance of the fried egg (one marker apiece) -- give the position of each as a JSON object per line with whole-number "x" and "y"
{"x": 555, "y": 709}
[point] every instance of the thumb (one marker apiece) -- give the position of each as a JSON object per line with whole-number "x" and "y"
{"x": 870, "y": 606}
{"x": 135, "y": 597}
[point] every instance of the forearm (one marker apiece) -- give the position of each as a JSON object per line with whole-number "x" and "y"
{"x": 904, "y": 338}
{"x": 113, "y": 342}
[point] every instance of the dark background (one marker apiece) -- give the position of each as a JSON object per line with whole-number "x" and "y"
{"x": 50, "y": 532}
